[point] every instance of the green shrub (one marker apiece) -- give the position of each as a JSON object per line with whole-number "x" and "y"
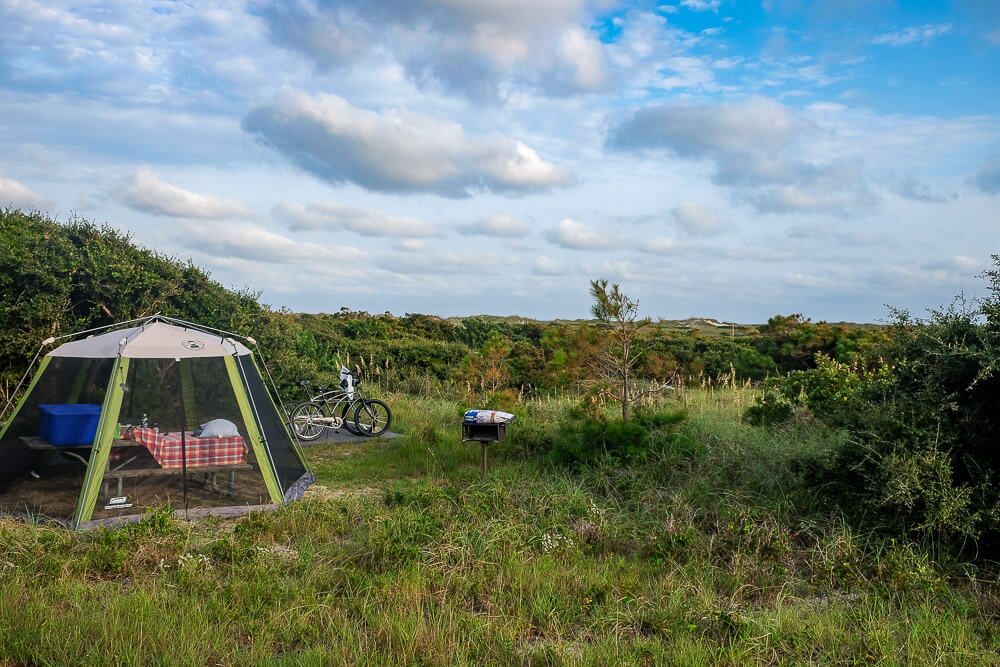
{"x": 834, "y": 391}
{"x": 771, "y": 408}
{"x": 585, "y": 440}
{"x": 923, "y": 453}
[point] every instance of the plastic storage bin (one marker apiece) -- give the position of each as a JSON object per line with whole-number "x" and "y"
{"x": 69, "y": 425}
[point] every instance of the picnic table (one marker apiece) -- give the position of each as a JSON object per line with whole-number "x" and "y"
{"x": 172, "y": 454}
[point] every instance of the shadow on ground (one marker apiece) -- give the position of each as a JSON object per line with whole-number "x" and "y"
{"x": 343, "y": 435}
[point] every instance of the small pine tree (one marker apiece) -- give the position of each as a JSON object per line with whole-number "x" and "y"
{"x": 613, "y": 364}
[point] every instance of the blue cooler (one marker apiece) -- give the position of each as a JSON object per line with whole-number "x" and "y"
{"x": 69, "y": 425}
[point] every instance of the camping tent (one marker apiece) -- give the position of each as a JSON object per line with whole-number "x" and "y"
{"x": 111, "y": 425}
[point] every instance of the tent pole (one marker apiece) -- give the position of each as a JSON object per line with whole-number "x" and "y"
{"x": 106, "y": 326}
{"x": 184, "y": 465}
{"x": 200, "y": 327}
{"x": 27, "y": 372}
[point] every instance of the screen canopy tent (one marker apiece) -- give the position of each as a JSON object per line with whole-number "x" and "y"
{"x": 111, "y": 425}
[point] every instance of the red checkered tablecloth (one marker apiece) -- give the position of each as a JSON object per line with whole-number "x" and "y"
{"x": 166, "y": 448}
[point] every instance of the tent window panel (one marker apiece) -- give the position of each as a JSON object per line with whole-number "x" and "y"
{"x": 286, "y": 461}
{"x": 35, "y": 476}
{"x": 134, "y": 480}
{"x": 239, "y": 481}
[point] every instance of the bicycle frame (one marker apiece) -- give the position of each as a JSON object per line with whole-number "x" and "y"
{"x": 331, "y": 401}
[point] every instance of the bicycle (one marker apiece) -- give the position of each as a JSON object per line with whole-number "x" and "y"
{"x": 345, "y": 407}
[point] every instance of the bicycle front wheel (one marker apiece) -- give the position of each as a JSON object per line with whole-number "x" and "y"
{"x": 347, "y": 414}
{"x": 373, "y": 418}
{"x": 307, "y": 421}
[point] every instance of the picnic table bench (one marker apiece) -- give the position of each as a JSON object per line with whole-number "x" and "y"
{"x": 131, "y": 473}
{"x": 119, "y": 473}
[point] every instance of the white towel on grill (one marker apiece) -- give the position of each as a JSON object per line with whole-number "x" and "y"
{"x": 488, "y": 417}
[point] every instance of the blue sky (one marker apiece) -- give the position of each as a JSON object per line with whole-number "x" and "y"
{"x": 718, "y": 158}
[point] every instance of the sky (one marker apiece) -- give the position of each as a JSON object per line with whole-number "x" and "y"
{"x": 718, "y": 158}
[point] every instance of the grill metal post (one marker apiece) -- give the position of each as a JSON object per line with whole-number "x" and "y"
{"x": 484, "y": 434}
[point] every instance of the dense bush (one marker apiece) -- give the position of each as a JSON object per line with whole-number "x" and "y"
{"x": 771, "y": 408}
{"x": 585, "y": 439}
{"x": 793, "y": 342}
{"x": 834, "y": 391}
{"x": 922, "y": 456}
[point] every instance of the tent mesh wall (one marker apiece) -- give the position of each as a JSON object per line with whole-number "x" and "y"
{"x": 155, "y": 466}
{"x": 35, "y": 477}
{"x": 286, "y": 460}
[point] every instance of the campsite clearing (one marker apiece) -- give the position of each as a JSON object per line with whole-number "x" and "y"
{"x": 406, "y": 555}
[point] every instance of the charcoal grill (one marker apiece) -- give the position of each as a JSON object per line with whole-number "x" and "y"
{"x": 484, "y": 434}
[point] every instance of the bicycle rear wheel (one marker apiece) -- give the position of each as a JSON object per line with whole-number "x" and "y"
{"x": 305, "y": 421}
{"x": 373, "y": 417}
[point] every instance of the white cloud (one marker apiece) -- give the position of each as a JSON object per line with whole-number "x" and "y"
{"x": 908, "y": 187}
{"x": 578, "y": 236}
{"x": 620, "y": 269}
{"x": 145, "y": 191}
{"x": 698, "y": 220}
{"x": 20, "y": 195}
{"x": 652, "y": 54}
{"x": 758, "y": 148}
{"x": 965, "y": 263}
{"x": 480, "y": 49}
{"x": 701, "y": 5}
{"x": 809, "y": 281}
{"x": 396, "y": 150}
{"x": 410, "y": 245}
{"x": 923, "y": 34}
{"x": 439, "y": 264}
{"x": 850, "y": 197}
{"x": 756, "y": 125}
{"x": 499, "y": 225}
{"x": 987, "y": 179}
{"x": 727, "y": 63}
{"x": 582, "y": 53}
{"x": 961, "y": 264}
{"x": 255, "y": 243}
{"x": 544, "y": 266}
{"x": 659, "y": 246}
{"x": 365, "y": 223}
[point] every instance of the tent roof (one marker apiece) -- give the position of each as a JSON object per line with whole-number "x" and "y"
{"x": 153, "y": 340}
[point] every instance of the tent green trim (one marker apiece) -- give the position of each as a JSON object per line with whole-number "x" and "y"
{"x": 107, "y": 431}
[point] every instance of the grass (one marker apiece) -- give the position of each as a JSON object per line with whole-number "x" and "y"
{"x": 708, "y": 553}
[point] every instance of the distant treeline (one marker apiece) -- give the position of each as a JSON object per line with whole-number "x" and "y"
{"x": 58, "y": 278}
{"x": 545, "y": 356}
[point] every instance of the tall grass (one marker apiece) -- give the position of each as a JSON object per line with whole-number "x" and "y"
{"x": 710, "y": 553}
